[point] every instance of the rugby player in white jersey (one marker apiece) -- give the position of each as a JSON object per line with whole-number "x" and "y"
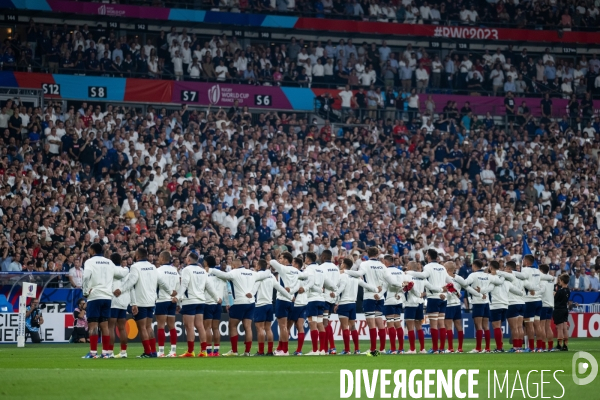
{"x": 288, "y": 278}
{"x": 373, "y": 272}
{"x": 212, "y": 311}
{"x": 346, "y": 307}
{"x": 118, "y": 312}
{"x": 547, "y": 308}
{"x": 298, "y": 314}
{"x": 263, "y": 311}
{"x": 242, "y": 310}
{"x": 392, "y": 306}
{"x": 98, "y": 275}
{"x": 166, "y": 304}
{"x": 516, "y": 306}
{"x": 499, "y": 301}
{"x": 332, "y": 274}
{"x": 195, "y": 287}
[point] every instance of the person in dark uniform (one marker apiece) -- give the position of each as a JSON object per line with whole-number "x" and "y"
{"x": 561, "y": 312}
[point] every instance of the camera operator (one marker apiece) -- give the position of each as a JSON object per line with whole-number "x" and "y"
{"x": 80, "y": 330}
{"x": 33, "y": 320}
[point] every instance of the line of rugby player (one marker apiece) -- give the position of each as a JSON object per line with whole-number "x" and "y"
{"x": 313, "y": 291}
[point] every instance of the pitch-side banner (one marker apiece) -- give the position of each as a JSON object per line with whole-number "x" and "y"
{"x": 55, "y": 328}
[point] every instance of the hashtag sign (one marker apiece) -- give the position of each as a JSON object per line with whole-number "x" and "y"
{"x": 437, "y": 32}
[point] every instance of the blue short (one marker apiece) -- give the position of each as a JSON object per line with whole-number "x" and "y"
{"x": 499, "y": 314}
{"x": 373, "y": 306}
{"x": 298, "y": 313}
{"x": 118, "y": 313}
{"x": 263, "y": 313}
{"x": 329, "y": 307}
{"x": 546, "y": 313}
{"x": 192, "y": 309}
{"x": 212, "y": 311}
{"x": 348, "y": 311}
{"x": 242, "y": 311}
{"x": 395, "y": 309}
{"x": 166, "y": 308}
{"x": 515, "y": 310}
{"x": 414, "y": 313}
{"x": 453, "y": 313}
{"x": 98, "y": 310}
{"x": 533, "y": 309}
{"x": 481, "y": 310}
{"x": 144, "y": 312}
{"x": 283, "y": 308}
{"x": 436, "y": 306}
{"x": 315, "y": 308}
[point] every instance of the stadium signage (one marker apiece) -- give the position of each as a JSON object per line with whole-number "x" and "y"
{"x": 224, "y": 95}
{"x": 459, "y": 32}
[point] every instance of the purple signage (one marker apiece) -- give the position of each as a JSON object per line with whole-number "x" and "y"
{"x": 109, "y": 10}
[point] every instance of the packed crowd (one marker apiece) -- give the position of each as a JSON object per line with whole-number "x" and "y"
{"x": 185, "y": 55}
{"x": 217, "y": 182}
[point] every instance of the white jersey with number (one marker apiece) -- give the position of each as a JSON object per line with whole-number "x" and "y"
{"x": 144, "y": 281}
{"x": 167, "y": 278}
{"x": 98, "y": 275}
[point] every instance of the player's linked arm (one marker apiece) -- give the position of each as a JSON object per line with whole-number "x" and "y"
{"x": 367, "y": 286}
{"x": 506, "y": 275}
{"x": 185, "y": 281}
{"x": 282, "y": 290}
{"x": 221, "y": 274}
{"x": 208, "y": 286}
{"x": 132, "y": 279}
{"x": 547, "y": 278}
{"x": 515, "y": 290}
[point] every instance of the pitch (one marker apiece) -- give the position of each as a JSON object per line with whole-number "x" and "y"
{"x": 58, "y": 372}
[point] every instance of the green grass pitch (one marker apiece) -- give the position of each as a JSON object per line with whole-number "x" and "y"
{"x": 58, "y": 372}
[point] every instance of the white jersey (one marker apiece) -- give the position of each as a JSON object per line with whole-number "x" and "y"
{"x": 195, "y": 285}
{"x": 531, "y": 277}
{"x": 373, "y": 271}
{"x": 98, "y": 275}
{"x": 264, "y": 291}
{"x": 393, "y": 278}
{"x": 485, "y": 283}
{"x": 413, "y": 298}
{"x": 306, "y": 280}
{"x": 437, "y": 276}
{"x": 144, "y": 281}
{"x": 315, "y": 292}
{"x": 332, "y": 274}
{"x": 548, "y": 293}
{"x": 124, "y": 300}
{"x": 348, "y": 289}
{"x": 288, "y": 278}
{"x": 242, "y": 283}
{"x": 513, "y": 298}
{"x": 167, "y": 278}
{"x": 499, "y": 296}
{"x": 453, "y": 299}
{"x": 219, "y": 285}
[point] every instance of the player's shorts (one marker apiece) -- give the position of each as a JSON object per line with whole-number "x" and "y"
{"x": 242, "y": 311}
{"x": 144, "y": 312}
{"x": 453, "y": 313}
{"x": 515, "y": 310}
{"x": 560, "y": 316}
{"x": 283, "y": 308}
{"x": 371, "y": 306}
{"x": 192, "y": 309}
{"x": 481, "y": 310}
{"x": 392, "y": 309}
{"x": 298, "y": 313}
{"x": 436, "y": 306}
{"x": 329, "y": 307}
{"x": 348, "y": 311}
{"x": 414, "y": 313}
{"x": 315, "y": 308}
{"x": 98, "y": 310}
{"x": 546, "y": 313}
{"x": 499, "y": 314}
{"x": 118, "y": 313}
{"x": 263, "y": 313}
{"x": 166, "y": 308}
{"x": 212, "y": 311}
{"x": 533, "y": 309}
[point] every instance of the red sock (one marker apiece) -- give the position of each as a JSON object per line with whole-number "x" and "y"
{"x": 146, "y": 344}
{"x": 329, "y": 331}
{"x": 373, "y": 337}
{"x": 531, "y": 344}
{"x": 203, "y": 346}
{"x": 550, "y": 344}
{"x": 400, "y": 336}
{"x": 322, "y": 341}
{"x": 392, "y": 334}
{"x": 270, "y": 347}
{"x": 234, "y": 340}
{"x": 173, "y": 334}
{"x": 421, "y": 335}
{"x": 93, "y": 342}
{"x": 105, "y": 342}
{"x": 478, "y": 338}
{"x": 346, "y": 337}
{"x": 411, "y": 340}
{"x": 461, "y": 338}
{"x": 248, "y": 346}
{"x": 314, "y": 337}
{"x": 498, "y": 338}
{"x": 442, "y": 338}
{"x": 161, "y": 337}
{"x": 382, "y": 336}
{"x": 488, "y": 338}
{"x": 261, "y": 348}
{"x": 434, "y": 339}
{"x": 285, "y": 346}
{"x": 279, "y": 347}
{"x": 190, "y": 346}
{"x": 518, "y": 343}
{"x": 153, "y": 345}
{"x": 300, "y": 341}
{"x": 450, "y": 335}
{"x": 540, "y": 343}
{"x": 123, "y": 346}
{"x": 354, "y": 335}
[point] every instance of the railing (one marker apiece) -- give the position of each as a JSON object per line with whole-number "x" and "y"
{"x": 587, "y": 308}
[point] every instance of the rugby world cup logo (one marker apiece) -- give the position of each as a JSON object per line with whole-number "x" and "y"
{"x": 102, "y": 10}
{"x": 214, "y": 94}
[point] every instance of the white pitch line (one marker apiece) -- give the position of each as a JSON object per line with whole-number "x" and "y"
{"x": 195, "y": 371}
